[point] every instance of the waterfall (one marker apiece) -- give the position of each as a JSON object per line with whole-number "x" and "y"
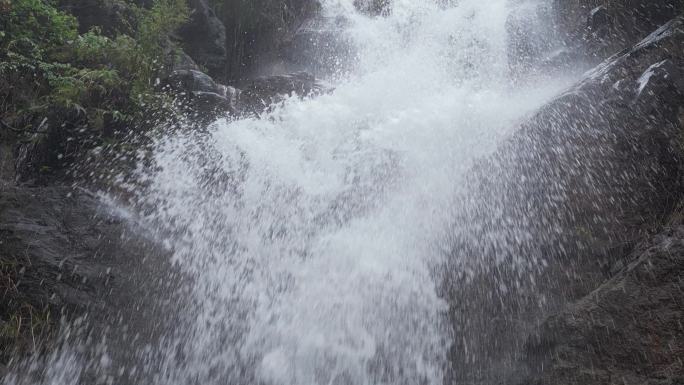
{"x": 310, "y": 235}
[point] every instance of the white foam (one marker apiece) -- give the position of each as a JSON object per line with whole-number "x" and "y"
{"x": 314, "y": 257}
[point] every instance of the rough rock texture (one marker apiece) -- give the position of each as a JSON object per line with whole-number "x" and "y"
{"x": 260, "y": 93}
{"x": 211, "y": 99}
{"x": 318, "y": 45}
{"x": 628, "y": 331}
{"x": 564, "y": 200}
{"x": 205, "y": 96}
{"x": 54, "y": 257}
{"x": 599, "y": 28}
{"x": 60, "y": 138}
{"x": 258, "y": 32}
{"x": 47, "y": 236}
{"x": 65, "y": 253}
{"x": 204, "y": 38}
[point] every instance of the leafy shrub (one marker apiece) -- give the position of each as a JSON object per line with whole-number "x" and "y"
{"x": 87, "y": 81}
{"x": 38, "y": 21}
{"x": 157, "y": 23}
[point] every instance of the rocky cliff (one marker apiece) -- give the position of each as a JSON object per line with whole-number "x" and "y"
{"x": 627, "y": 328}
{"x": 580, "y": 278}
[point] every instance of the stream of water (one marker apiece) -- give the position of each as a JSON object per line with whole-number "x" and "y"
{"x": 309, "y": 233}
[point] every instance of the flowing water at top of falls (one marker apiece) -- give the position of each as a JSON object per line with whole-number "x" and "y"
{"x": 311, "y": 233}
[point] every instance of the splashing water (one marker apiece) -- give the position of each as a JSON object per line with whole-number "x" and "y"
{"x": 310, "y": 233}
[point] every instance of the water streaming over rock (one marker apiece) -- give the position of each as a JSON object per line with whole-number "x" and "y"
{"x": 309, "y": 234}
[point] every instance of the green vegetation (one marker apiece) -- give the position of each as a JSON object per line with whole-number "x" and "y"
{"x": 62, "y": 92}
{"x": 90, "y": 87}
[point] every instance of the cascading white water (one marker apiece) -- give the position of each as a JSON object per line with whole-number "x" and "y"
{"x": 310, "y": 233}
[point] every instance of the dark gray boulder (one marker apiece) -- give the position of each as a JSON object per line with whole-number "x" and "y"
{"x": 259, "y": 94}
{"x": 206, "y": 97}
{"x": 259, "y": 32}
{"x": 65, "y": 255}
{"x": 319, "y": 46}
{"x": 59, "y": 257}
{"x": 45, "y": 231}
{"x": 599, "y": 29}
{"x": 627, "y": 331}
{"x": 204, "y": 38}
{"x": 544, "y": 220}
{"x": 177, "y": 60}
{"x": 202, "y": 93}
{"x": 192, "y": 81}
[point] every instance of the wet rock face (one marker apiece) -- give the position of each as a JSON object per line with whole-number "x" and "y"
{"x": 46, "y": 232}
{"x": 600, "y": 28}
{"x": 259, "y": 32}
{"x": 65, "y": 253}
{"x": 193, "y": 81}
{"x": 628, "y": 331}
{"x": 260, "y": 93}
{"x": 203, "y": 94}
{"x": 574, "y": 189}
{"x": 319, "y": 46}
{"x": 204, "y": 38}
{"x": 212, "y": 99}
{"x": 59, "y": 140}
{"x": 57, "y": 257}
